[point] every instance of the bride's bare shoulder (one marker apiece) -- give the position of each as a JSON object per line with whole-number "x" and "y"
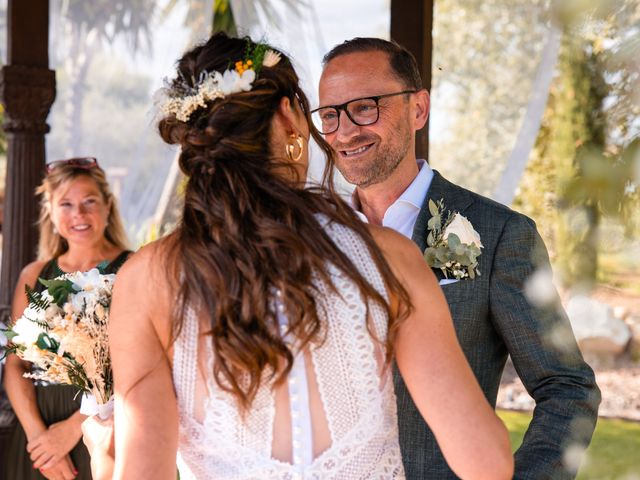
{"x": 152, "y": 262}
{"x": 395, "y": 246}
{"x": 144, "y": 292}
{"x": 404, "y": 258}
{"x": 147, "y": 278}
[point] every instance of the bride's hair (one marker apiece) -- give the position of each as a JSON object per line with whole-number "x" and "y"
{"x": 247, "y": 231}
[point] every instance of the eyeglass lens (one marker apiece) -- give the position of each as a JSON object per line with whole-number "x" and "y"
{"x": 361, "y": 112}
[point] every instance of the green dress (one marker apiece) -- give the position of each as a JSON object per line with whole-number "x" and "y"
{"x": 55, "y": 402}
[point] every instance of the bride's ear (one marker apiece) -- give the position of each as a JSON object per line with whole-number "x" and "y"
{"x": 290, "y": 116}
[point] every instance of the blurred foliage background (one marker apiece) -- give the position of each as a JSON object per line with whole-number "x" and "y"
{"x": 581, "y": 184}
{"x": 582, "y": 178}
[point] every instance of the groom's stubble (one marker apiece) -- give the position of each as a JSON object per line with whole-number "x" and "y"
{"x": 380, "y": 164}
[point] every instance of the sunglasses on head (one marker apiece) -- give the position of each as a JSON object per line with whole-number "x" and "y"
{"x": 77, "y": 162}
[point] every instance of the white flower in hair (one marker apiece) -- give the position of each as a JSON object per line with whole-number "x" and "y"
{"x": 233, "y": 82}
{"x": 183, "y": 98}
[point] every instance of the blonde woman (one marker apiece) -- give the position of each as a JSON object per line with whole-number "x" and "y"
{"x": 80, "y": 228}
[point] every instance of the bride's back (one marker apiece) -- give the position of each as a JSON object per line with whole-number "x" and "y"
{"x": 332, "y": 417}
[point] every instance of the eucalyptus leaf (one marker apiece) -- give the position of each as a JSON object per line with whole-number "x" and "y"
{"x": 433, "y": 208}
{"x": 430, "y": 239}
{"x": 430, "y": 255}
{"x": 454, "y": 241}
{"x": 434, "y": 223}
{"x": 9, "y": 334}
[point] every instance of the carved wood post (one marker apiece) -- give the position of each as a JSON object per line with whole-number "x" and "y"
{"x": 411, "y": 27}
{"x": 27, "y": 89}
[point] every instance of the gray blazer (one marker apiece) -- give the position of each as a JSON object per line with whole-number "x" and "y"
{"x": 493, "y": 319}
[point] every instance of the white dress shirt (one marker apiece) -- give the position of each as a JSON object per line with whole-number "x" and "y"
{"x": 402, "y": 214}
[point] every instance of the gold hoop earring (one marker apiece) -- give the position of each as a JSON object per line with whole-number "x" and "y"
{"x": 290, "y": 148}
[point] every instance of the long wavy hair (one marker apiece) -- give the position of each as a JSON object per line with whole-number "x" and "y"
{"x": 51, "y": 244}
{"x": 247, "y": 231}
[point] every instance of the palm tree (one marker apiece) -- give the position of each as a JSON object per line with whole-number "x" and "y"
{"x": 86, "y": 26}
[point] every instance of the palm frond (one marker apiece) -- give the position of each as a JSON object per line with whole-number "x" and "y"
{"x": 36, "y": 299}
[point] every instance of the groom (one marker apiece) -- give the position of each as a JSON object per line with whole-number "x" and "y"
{"x": 378, "y": 102}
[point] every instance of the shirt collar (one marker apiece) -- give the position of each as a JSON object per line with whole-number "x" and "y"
{"x": 417, "y": 190}
{"x": 414, "y": 194}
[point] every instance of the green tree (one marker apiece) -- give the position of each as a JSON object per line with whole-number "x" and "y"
{"x": 223, "y": 20}
{"x": 87, "y": 25}
{"x": 485, "y": 57}
{"x": 576, "y": 130}
{"x": 585, "y": 153}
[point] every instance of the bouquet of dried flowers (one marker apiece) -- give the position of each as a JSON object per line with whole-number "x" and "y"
{"x": 63, "y": 332}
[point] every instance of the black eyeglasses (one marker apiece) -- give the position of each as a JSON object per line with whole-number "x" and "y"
{"x": 361, "y": 111}
{"x": 77, "y": 162}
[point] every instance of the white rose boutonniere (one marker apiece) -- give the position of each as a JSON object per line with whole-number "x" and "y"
{"x": 453, "y": 245}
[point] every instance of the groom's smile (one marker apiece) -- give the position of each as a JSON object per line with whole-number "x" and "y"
{"x": 351, "y": 153}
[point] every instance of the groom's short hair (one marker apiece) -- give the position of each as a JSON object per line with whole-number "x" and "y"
{"x": 402, "y": 62}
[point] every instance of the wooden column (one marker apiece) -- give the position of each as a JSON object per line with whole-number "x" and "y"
{"x": 27, "y": 89}
{"x": 412, "y": 27}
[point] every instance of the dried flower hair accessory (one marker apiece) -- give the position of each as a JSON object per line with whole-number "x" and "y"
{"x": 182, "y": 100}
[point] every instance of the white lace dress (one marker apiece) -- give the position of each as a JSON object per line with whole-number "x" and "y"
{"x": 356, "y": 395}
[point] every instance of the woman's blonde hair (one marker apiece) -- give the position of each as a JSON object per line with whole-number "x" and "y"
{"x": 51, "y": 244}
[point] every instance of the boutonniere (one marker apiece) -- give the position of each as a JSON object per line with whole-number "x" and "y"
{"x": 453, "y": 245}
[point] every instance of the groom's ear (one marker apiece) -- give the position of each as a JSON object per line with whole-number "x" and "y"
{"x": 422, "y": 104}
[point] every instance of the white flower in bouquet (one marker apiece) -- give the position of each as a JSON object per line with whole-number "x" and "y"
{"x": 27, "y": 331}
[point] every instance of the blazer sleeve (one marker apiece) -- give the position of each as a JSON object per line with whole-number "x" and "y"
{"x": 545, "y": 354}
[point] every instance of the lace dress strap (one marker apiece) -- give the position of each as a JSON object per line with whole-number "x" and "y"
{"x": 185, "y": 357}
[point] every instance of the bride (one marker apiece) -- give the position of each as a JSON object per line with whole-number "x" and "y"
{"x": 256, "y": 341}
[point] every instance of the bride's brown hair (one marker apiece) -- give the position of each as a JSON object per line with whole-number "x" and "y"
{"x": 247, "y": 231}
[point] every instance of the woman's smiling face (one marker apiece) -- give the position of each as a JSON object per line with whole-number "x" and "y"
{"x": 79, "y": 211}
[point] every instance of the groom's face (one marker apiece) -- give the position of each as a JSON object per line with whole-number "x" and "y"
{"x": 367, "y": 155}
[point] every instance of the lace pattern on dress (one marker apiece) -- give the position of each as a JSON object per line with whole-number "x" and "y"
{"x": 359, "y": 404}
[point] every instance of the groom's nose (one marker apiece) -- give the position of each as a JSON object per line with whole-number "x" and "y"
{"x": 346, "y": 128}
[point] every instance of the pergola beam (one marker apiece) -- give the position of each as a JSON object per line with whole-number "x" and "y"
{"x": 27, "y": 89}
{"x": 412, "y": 27}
